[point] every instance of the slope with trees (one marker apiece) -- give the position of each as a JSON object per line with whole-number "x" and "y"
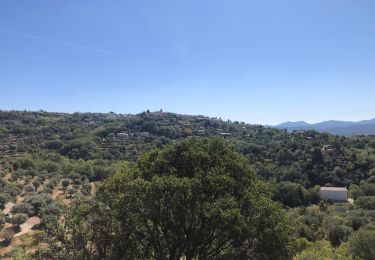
{"x": 49, "y": 161}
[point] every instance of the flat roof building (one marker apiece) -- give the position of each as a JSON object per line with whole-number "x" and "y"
{"x": 334, "y": 193}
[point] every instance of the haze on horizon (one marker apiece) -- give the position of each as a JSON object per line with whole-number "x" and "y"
{"x": 255, "y": 61}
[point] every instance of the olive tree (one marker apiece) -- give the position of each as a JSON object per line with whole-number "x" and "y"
{"x": 18, "y": 219}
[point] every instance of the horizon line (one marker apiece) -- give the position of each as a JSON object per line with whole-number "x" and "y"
{"x": 184, "y": 114}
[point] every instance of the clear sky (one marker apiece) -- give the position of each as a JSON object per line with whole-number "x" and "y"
{"x": 257, "y": 61}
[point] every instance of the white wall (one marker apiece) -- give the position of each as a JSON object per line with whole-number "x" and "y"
{"x": 334, "y": 195}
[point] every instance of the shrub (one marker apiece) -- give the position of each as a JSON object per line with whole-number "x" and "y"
{"x": 338, "y": 234}
{"x": 38, "y": 202}
{"x": 86, "y": 188}
{"x": 7, "y": 234}
{"x": 366, "y": 202}
{"x": 356, "y": 222}
{"x": 368, "y": 189}
{"x": 25, "y": 208}
{"x": 11, "y": 189}
{"x": 29, "y": 188}
{"x": 18, "y": 219}
{"x": 36, "y": 183}
{"x": 362, "y": 244}
{"x": 65, "y": 182}
{"x": 3, "y": 200}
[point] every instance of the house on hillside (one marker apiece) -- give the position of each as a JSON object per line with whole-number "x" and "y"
{"x": 328, "y": 149}
{"x": 145, "y": 134}
{"x": 225, "y": 135}
{"x": 339, "y": 194}
{"x": 121, "y": 136}
{"x": 300, "y": 133}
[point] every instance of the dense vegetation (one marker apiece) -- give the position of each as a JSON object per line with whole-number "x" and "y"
{"x": 197, "y": 198}
{"x": 80, "y": 176}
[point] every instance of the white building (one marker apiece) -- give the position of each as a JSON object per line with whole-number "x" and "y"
{"x": 121, "y": 136}
{"x": 334, "y": 193}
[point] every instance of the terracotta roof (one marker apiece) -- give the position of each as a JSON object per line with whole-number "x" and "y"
{"x": 333, "y": 188}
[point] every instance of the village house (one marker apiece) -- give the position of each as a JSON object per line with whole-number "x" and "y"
{"x": 226, "y": 135}
{"x": 334, "y": 193}
{"x": 145, "y": 134}
{"x": 300, "y": 133}
{"x": 121, "y": 136}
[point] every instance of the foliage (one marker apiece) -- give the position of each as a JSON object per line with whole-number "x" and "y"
{"x": 196, "y": 198}
{"x": 18, "y": 219}
{"x": 46, "y": 149}
{"x": 294, "y": 194}
{"x": 337, "y": 234}
{"x": 3, "y": 200}
{"x": 362, "y": 244}
{"x": 7, "y": 235}
{"x": 366, "y": 202}
{"x": 324, "y": 251}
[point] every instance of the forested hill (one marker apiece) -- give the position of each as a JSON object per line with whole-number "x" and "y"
{"x": 306, "y": 157}
{"x": 67, "y": 181}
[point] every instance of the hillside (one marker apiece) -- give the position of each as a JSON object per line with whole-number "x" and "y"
{"x": 344, "y": 128}
{"x": 54, "y": 165}
{"x": 100, "y": 136}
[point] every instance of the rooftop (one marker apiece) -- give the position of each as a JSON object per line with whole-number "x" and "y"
{"x": 333, "y": 188}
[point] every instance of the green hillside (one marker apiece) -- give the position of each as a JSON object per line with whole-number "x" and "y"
{"x": 57, "y": 164}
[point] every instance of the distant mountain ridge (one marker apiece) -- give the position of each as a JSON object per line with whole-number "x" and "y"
{"x": 347, "y": 128}
{"x": 290, "y": 124}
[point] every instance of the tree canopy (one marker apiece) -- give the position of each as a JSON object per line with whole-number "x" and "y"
{"x": 196, "y": 198}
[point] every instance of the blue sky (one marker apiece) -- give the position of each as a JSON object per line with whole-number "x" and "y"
{"x": 254, "y": 61}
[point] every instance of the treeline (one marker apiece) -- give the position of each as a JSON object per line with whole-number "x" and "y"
{"x": 278, "y": 156}
{"x": 301, "y": 158}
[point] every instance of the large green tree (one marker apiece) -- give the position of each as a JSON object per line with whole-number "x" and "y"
{"x": 196, "y": 198}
